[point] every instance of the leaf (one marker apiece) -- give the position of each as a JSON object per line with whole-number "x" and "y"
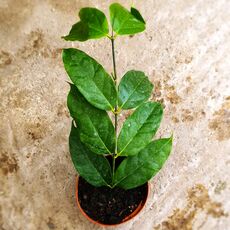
{"x": 137, "y": 170}
{"x": 139, "y": 128}
{"x": 137, "y": 14}
{"x": 90, "y": 78}
{"x": 125, "y": 22}
{"x": 134, "y": 89}
{"x": 92, "y": 167}
{"x": 96, "y": 128}
{"x": 92, "y": 25}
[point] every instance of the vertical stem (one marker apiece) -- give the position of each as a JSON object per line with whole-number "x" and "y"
{"x": 116, "y": 107}
{"x": 114, "y": 61}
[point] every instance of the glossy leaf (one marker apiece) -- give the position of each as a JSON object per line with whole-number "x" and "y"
{"x": 92, "y": 25}
{"x": 125, "y": 22}
{"x": 134, "y": 89}
{"x": 92, "y": 167}
{"x": 139, "y": 128}
{"x": 137, "y": 170}
{"x": 90, "y": 78}
{"x": 96, "y": 128}
{"x": 137, "y": 14}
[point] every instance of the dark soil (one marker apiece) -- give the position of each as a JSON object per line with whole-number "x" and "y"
{"x": 109, "y": 206}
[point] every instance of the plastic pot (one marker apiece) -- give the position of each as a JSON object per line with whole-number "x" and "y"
{"x": 127, "y": 218}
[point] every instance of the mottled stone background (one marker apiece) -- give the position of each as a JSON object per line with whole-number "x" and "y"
{"x": 186, "y": 53}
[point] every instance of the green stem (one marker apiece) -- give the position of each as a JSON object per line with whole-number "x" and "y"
{"x": 114, "y": 61}
{"x": 116, "y": 107}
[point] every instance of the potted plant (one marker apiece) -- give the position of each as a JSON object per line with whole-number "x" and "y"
{"x": 114, "y": 167}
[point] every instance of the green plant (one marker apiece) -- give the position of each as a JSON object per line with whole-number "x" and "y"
{"x": 93, "y": 136}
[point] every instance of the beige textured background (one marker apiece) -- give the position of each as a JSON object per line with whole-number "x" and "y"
{"x": 186, "y": 53}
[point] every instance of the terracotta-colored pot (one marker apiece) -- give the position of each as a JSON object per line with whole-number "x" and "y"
{"x": 127, "y": 218}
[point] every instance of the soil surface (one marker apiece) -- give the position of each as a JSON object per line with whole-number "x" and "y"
{"x": 110, "y": 206}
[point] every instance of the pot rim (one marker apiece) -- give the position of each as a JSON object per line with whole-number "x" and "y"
{"x": 125, "y": 220}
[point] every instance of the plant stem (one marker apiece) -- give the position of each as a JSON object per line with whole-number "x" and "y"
{"x": 116, "y": 107}
{"x": 114, "y": 61}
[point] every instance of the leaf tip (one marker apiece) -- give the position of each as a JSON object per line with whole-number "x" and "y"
{"x": 70, "y": 84}
{"x": 66, "y": 38}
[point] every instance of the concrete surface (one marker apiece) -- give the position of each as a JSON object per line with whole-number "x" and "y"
{"x": 186, "y": 53}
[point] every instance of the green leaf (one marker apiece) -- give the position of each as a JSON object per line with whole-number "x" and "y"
{"x": 139, "y": 128}
{"x": 92, "y": 167}
{"x": 137, "y": 14}
{"x": 90, "y": 78}
{"x": 92, "y": 25}
{"x": 125, "y": 22}
{"x": 134, "y": 89}
{"x": 96, "y": 128}
{"x": 137, "y": 170}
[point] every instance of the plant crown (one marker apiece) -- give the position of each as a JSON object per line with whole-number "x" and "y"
{"x": 94, "y": 93}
